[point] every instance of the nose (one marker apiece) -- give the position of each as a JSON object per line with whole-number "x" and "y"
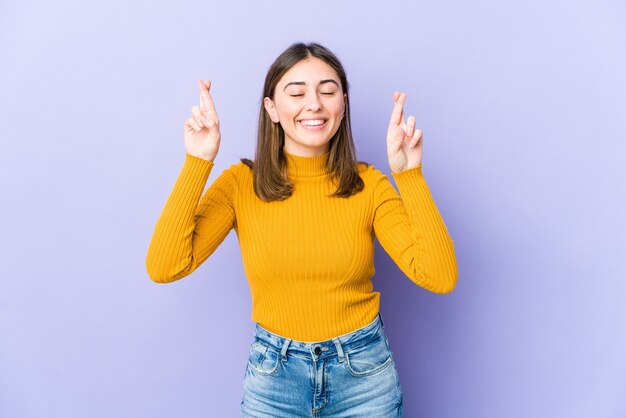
{"x": 314, "y": 103}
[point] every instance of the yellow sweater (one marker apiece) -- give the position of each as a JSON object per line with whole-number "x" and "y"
{"x": 308, "y": 259}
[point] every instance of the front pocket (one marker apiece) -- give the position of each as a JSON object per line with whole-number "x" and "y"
{"x": 370, "y": 358}
{"x": 263, "y": 359}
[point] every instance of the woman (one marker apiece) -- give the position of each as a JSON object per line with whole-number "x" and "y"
{"x": 306, "y": 213}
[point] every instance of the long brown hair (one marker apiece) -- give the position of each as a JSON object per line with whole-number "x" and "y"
{"x": 270, "y": 165}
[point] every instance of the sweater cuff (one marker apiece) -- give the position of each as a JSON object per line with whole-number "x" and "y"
{"x": 195, "y": 173}
{"x": 408, "y": 174}
{"x": 197, "y": 162}
{"x": 411, "y": 181}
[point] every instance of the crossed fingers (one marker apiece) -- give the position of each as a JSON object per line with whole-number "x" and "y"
{"x": 206, "y": 113}
{"x": 397, "y": 116}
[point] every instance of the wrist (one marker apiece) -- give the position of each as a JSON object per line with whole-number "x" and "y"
{"x": 202, "y": 157}
{"x": 417, "y": 167}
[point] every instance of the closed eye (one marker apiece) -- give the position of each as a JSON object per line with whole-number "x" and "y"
{"x": 300, "y": 95}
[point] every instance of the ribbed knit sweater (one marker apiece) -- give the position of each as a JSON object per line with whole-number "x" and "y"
{"x": 308, "y": 259}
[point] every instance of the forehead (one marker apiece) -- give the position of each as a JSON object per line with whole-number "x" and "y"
{"x": 310, "y": 70}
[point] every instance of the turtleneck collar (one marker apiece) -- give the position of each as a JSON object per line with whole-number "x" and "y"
{"x": 299, "y": 166}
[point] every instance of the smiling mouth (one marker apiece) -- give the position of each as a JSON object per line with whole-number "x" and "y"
{"x": 312, "y": 123}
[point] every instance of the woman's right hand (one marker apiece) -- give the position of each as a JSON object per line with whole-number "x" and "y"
{"x": 202, "y": 129}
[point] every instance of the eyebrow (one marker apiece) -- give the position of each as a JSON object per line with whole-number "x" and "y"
{"x": 302, "y": 83}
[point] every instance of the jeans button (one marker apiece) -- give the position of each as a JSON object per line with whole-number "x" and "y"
{"x": 318, "y": 350}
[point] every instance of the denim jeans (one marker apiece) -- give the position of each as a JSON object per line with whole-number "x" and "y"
{"x": 352, "y": 375}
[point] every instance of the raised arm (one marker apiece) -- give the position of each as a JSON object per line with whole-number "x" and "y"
{"x": 409, "y": 226}
{"x": 188, "y": 232}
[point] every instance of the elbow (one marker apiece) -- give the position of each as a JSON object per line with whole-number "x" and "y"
{"x": 159, "y": 279}
{"x": 157, "y": 274}
{"x": 441, "y": 282}
{"x": 447, "y": 287}
{"x": 439, "y": 275}
{"x": 448, "y": 281}
{"x": 448, "y": 274}
{"x": 167, "y": 272}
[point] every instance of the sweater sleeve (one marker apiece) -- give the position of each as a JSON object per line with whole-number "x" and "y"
{"x": 188, "y": 231}
{"x": 411, "y": 230}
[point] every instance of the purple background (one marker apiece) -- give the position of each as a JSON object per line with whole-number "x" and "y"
{"x": 523, "y": 112}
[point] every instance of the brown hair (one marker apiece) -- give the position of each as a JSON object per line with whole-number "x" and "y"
{"x": 270, "y": 165}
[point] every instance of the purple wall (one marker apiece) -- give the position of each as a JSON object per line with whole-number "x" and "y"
{"x": 522, "y": 107}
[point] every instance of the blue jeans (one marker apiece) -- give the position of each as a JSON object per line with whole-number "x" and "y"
{"x": 352, "y": 375}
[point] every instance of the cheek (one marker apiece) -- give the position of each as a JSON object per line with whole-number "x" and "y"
{"x": 286, "y": 117}
{"x": 287, "y": 112}
{"x": 337, "y": 108}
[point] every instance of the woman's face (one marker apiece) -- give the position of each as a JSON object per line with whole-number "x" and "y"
{"x": 309, "y": 105}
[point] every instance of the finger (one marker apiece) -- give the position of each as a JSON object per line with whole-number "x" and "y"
{"x": 400, "y": 134}
{"x": 201, "y": 87}
{"x": 417, "y": 137}
{"x": 204, "y": 103}
{"x": 192, "y": 124}
{"x": 206, "y": 96}
{"x": 197, "y": 116}
{"x": 410, "y": 126}
{"x": 200, "y": 118}
{"x": 403, "y": 102}
{"x": 397, "y": 112}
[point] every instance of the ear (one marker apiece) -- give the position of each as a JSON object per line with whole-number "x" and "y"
{"x": 270, "y": 109}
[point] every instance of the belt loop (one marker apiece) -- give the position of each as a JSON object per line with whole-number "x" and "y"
{"x": 339, "y": 349}
{"x": 381, "y": 320}
{"x": 283, "y": 351}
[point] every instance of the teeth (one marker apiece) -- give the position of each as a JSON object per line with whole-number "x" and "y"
{"x": 312, "y": 122}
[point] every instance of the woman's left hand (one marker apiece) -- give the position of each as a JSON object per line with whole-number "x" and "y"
{"x": 404, "y": 142}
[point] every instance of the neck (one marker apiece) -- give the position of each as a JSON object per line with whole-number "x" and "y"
{"x": 300, "y": 166}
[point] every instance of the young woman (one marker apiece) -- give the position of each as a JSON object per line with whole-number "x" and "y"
{"x": 306, "y": 213}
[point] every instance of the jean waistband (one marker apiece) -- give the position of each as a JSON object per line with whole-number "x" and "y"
{"x": 322, "y": 349}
